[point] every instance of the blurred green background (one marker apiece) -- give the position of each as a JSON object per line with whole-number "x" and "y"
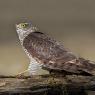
{"x": 69, "y": 21}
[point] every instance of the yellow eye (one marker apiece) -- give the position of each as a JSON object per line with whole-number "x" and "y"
{"x": 23, "y": 25}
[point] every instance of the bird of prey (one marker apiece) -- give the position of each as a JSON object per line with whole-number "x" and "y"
{"x": 48, "y": 54}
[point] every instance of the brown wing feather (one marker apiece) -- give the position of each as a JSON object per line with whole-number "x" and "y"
{"x": 52, "y": 54}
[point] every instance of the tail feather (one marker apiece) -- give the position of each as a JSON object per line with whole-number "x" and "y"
{"x": 87, "y": 66}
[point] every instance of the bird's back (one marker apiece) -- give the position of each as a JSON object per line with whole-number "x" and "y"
{"x": 51, "y": 53}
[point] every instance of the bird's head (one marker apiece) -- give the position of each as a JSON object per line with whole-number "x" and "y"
{"x": 25, "y": 28}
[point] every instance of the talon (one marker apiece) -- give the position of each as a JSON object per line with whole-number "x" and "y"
{"x": 20, "y": 76}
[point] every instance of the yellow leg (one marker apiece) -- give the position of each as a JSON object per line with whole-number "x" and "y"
{"x": 21, "y": 74}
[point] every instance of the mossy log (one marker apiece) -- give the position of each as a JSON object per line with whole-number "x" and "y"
{"x": 47, "y": 85}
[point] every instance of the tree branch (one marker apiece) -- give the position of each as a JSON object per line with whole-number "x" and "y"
{"x": 47, "y": 85}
